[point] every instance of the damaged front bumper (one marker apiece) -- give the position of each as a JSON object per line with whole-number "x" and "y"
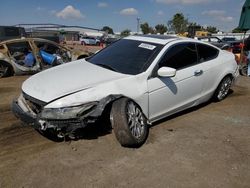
{"x": 65, "y": 125}
{"x": 22, "y": 109}
{"x": 65, "y": 120}
{"x": 24, "y": 115}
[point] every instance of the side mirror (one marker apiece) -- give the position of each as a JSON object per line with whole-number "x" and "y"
{"x": 166, "y": 72}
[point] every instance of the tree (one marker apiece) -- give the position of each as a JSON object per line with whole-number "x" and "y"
{"x": 178, "y": 23}
{"x": 237, "y": 30}
{"x": 212, "y": 29}
{"x": 160, "y": 28}
{"x": 125, "y": 33}
{"x": 108, "y": 30}
{"x": 145, "y": 28}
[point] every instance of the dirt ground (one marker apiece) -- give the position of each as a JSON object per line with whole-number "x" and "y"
{"x": 208, "y": 146}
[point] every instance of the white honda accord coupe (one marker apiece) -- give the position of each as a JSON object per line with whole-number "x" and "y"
{"x": 137, "y": 80}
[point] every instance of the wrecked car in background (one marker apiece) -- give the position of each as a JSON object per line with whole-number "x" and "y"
{"x": 133, "y": 82}
{"x": 31, "y": 55}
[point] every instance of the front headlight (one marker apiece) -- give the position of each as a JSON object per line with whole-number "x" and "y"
{"x": 68, "y": 112}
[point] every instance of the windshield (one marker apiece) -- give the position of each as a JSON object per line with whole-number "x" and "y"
{"x": 127, "y": 56}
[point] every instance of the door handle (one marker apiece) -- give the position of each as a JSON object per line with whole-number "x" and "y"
{"x": 198, "y": 72}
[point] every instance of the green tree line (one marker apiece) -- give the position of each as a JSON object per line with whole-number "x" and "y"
{"x": 178, "y": 24}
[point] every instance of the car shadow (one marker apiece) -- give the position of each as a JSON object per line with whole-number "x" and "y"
{"x": 90, "y": 132}
{"x": 101, "y": 127}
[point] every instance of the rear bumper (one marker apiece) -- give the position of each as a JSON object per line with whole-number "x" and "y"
{"x": 236, "y": 74}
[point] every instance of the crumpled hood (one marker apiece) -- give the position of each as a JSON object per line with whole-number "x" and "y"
{"x": 66, "y": 79}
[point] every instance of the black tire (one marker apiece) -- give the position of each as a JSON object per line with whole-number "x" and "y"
{"x": 5, "y": 69}
{"x": 82, "y": 57}
{"x": 223, "y": 89}
{"x": 129, "y": 123}
{"x": 243, "y": 70}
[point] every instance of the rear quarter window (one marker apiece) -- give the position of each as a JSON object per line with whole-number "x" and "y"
{"x": 206, "y": 52}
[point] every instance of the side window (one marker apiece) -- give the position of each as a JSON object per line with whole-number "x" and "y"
{"x": 204, "y": 39}
{"x": 57, "y": 54}
{"x": 22, "y": 53}
{"x": 47, "y": 47}
{"x": 180, "y": 56}
{"x": 206, "y": 53}
{"x": 214, "y": 40}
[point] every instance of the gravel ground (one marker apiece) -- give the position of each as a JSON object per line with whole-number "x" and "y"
{"x": 207, "y": 146}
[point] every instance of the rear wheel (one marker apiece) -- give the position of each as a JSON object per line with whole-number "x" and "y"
{"x": 243, "y": 70}
{"x": 223, "y": 88}
{"x": 129, "y": 123}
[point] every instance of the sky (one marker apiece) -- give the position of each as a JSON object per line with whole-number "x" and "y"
{"x": 121, "y": 14}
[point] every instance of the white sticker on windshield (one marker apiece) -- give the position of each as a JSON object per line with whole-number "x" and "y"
{"x": 147, "y": 46}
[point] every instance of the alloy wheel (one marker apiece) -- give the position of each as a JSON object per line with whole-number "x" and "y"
{"x": 136, "y": 121}
{"x": 224, "y": 88}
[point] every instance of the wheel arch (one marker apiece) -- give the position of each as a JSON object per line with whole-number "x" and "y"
{"x": 228, "y": 74}
{"x": 105, "y": 105}
{"x": 214, "y": 97}
{"x": 82, "y": 56}
{"x": 11, "y": 68}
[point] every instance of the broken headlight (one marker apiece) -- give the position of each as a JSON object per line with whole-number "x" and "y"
{"x": 68, "y": 112}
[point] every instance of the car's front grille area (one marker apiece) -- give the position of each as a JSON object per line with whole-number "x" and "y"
{"x": 34, "y": 104}
{"x": 70, "y": 121}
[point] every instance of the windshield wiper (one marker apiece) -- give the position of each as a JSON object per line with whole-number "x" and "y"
{"x": 106, "y": 66}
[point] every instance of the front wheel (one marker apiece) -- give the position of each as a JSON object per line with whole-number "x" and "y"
{"x": 129, "y": 123}
{"x": 223, "y": 88}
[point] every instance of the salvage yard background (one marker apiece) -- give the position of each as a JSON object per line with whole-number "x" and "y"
{"x": 208, "y": 146}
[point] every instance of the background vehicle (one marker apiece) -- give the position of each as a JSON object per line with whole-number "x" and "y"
{"x": 215, "y": 41}
{"x": 228, "y": 39}
{"x": 11, "y": 32}
{"x": 89, "y": 41}
{"x": 31, "y": 55}
{"x": 196, "y": 31}
{"x": 110, "y": 40}
{"x": 135, "y": 81}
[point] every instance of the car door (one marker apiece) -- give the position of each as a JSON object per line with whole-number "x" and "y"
{"x": 23, "y": 56}
{"x": 208, "y": 57}
{"x": 168, "y": 95}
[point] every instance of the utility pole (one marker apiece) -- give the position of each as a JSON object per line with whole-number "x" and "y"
{"x": 138, "y": 24}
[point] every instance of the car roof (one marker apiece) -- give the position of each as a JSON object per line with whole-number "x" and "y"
{"x": 24, "y": 39}
{"x": 159, "y": 39}
{"x": 164, "y": 39}
{"x": 27, "y": 39}
{"x": 205, "y": 37}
